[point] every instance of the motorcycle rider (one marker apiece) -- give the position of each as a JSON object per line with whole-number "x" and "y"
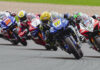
{"x": 95, "y": 16}
{"x": 84, "y": 19}
{"x": 6, "y": 13}
{"x": 46, "y": 20}
{"x": 25, "y": 19}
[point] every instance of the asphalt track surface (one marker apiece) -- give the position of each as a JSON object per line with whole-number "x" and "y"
{"x": 35, "y": 57}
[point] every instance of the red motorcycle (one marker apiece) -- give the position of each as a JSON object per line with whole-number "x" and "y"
{"x": 33, "y": 29}
{"x": 91, "y": 31}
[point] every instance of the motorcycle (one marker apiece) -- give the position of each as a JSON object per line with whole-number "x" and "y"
{"x": 10, "y": 31}
{"x": 63, "y": 36}
{"x": 35, "y": 31}
{"x": 91, "y": 31}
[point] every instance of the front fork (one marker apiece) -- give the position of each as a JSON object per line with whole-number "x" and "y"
{"x": 63, "y": 45}
{"x": 93, "y": 43}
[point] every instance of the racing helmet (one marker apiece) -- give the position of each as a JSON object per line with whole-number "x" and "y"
{"x": 22, "y": 15}
{"x": 78, "y": 14}
{"x": 45, "y": 17}
{"x": 67, "y": 15}
{"x": 78, "y": 17}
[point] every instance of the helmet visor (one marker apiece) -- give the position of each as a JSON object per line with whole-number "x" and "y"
{"x": 45, "y": 21}
{"x": 23, "y": 18}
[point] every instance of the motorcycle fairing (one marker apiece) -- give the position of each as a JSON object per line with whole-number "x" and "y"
{"x": 58, "y": 24}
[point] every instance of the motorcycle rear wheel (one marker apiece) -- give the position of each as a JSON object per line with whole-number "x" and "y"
{"x": 15, "y": 42}
{"x": 47, "y": 47}
{"x": 51, "y": 47}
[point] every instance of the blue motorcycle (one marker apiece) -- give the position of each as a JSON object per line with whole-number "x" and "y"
{"x": 9, "y": 26}
{"x": 63, "y": 35}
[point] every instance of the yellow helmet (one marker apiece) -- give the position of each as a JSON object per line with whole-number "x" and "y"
{"x": 21, "y": 14}
{"x": 45, "y": 16}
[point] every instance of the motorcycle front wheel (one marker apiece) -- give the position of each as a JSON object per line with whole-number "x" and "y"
{"x": 75, "y": 50}
{"x": 24, "y": 42}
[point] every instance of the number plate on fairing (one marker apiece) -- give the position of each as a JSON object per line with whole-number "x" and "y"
{"x": 57, "y": 23}
{"x": 8, "y": 22}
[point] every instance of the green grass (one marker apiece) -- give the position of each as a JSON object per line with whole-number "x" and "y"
{"x": 69, "y": 2}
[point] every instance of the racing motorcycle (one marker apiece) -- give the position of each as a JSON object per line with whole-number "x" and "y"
{"x": 91, "y": 31}
{"x": 36, "y": 34}
{"x": 9, "y": 31}
{"x": 63, "y": 36}
{"x": 34, "y": 31}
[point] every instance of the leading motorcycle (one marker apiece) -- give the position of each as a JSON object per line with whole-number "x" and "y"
{"x": 63, "y": 36}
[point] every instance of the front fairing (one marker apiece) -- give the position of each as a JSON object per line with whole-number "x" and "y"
{"x": 89, "y": 25}
{"x": 13, "y": 21}
{"x": 8, "y": 22}
{"x": 88, "y": 28}
{"x": 87, "y": 32}
{"x": 58, "y": 24}
{"x": 35, "y": 22}
{"x": 33, "y": 25}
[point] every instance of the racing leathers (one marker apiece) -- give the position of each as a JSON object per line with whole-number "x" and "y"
{"x": 84, "y": 20}
{"x": 31, "y": 25}
{"x": 44, "y": 27}
{"x": 23, "y": 24}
